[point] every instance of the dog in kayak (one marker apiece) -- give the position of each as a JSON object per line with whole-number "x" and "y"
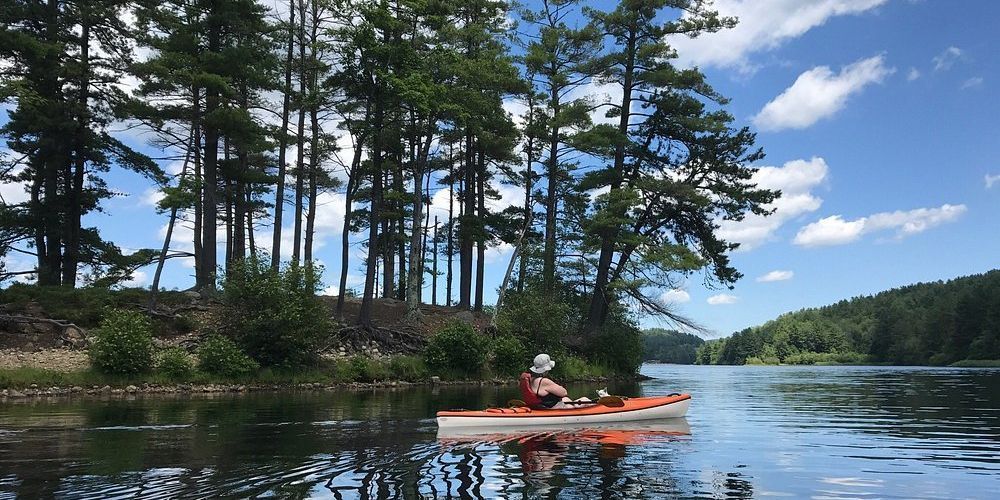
{"x": 541, "y": 392}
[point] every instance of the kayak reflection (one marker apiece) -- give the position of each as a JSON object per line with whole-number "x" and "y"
{"x": 543, "y": 450}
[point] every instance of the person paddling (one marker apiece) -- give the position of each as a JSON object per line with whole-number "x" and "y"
{"x": 541, "y": 392}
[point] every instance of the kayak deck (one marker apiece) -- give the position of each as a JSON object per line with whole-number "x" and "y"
{"x": 634, "y": 409}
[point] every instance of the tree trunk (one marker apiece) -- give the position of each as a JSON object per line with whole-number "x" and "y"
{"x": 599, "y": 301}
{"x": 75, "y": 190}
{"x": 364, "y": 316}
{"x": 162, "y": 258}
{"x": 314, "y": 152}
{"x": 481, "y": 237}
{"x": 551, "y": 202}
{"x": 279, "y": 197}
{"x": 300, "y": 140}
{"x": 210, "y": 184}
{"x": 199, "y": 250}
{"x": 464, "y": 229}
{"x": 345, "y": 249}
{"x": 451, "y": 226}
{"x": 434, "y": 269}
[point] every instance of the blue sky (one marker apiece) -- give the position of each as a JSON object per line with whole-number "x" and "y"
{"x": 879, "y": 120}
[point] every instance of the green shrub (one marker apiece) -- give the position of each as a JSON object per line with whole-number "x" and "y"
{"x": 540, "y": 320}
{"x": 275, "y": 316}
{"x": 123, "y": 344}
{"x": 618, "y": 346}
{"x": 409, "y": 368}
{"x": 221, "y": 356}
{"x": 175, "y": 363}
{"x": 457, "y": 348}
{"x": 575, "y": 368}
{"x": 367, "y": 369}
{"x": 813, "y": 358}
{"x": 510, "y": 356}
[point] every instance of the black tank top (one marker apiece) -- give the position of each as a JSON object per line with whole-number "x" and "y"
{"x": 549, "y": 400}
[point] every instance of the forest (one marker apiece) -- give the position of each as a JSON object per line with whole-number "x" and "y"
{"x": 628, "y": 164}
{"x": 935, "y": 323}
{"x": 670, "y": 346}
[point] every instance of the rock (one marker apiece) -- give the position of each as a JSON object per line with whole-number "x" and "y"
{"x": 33, "y": 386}
{"x": 191, "y": 294}
{"x": 131, "y": 389}
{"x": 77, "y": 389}
{"x": 14, "y": 393}
{"x": 435, "y": 379}
{"x": 465, "y": 317}
{"x": 106, "y": 388}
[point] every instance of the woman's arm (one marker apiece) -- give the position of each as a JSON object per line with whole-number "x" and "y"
{"x": 555, "y": 389}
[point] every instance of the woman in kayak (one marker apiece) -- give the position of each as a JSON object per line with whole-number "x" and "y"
{"x": 540, "y": 391}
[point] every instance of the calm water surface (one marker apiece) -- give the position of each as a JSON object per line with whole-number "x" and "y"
{"x": 821, "y": 432}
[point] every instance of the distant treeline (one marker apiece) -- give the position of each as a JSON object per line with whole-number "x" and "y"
{"x": 924, "y": 324}
{"x": 670, "y": 346}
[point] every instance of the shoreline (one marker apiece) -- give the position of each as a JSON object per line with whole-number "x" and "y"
{"x": 135, "y": 389}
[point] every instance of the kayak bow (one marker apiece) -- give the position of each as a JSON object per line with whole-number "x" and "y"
{"x": 634, "y": 409}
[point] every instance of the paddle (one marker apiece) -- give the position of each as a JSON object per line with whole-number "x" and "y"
{"x": 609, "y": 401}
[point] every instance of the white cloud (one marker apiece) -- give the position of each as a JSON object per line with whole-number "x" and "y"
{"x": 722, "y": 299}
{"x": 976, "y": 81}
{"x": 945, "y": 60}
{"x": 834, "y": 230}
{"x": 763, "y": 25}
{"x": 776, "y": 276}
{"x": 151, "y": 197}
{"x": 139, "y": 279}
{"x": 12, "y": 193}
{"x": 991, "y": 179}
{"x": 913, "y": 74}
{"x": 675, "y": 296}
{"x": 819, "y": 93}
{"x": 796, "y": 180}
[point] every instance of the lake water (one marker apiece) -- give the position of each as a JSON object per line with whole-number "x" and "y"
{"x": 821, "y": 432}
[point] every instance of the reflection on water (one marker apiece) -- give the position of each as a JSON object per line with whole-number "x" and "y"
{"x": 751, "y": 432}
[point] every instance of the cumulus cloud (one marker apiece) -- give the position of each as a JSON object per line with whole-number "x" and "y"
{"x": 776, "y": 276}
{"x": 151, "y": 197}
{"x": 139, "y": 279}
{"x": 722, "y": 299}
{"x": 913, "y": 74}
{"x": 834, "y": 230}
{"x": 796, "y": 180}
{"x": 946, "y": 59}
{"x": 976, "y": 81}
{"x": 991, "y": 180}
{"x": 820, "y": 93}
{"x": 763, "y": 25}
{"x": 675, "y": 296}
{"x": 12, "y": 193}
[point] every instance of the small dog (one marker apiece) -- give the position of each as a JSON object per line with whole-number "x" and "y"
{"x": 602, "y": 392}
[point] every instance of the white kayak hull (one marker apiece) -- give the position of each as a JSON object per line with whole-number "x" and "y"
{"x": 676, "y": 408}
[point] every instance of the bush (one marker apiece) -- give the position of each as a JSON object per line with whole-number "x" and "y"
{"x": 123, "y": 344}
{"x": 275, "y": 316}
{"x": 221, "y": 356}
{"x": 457, "y": 348}
{"x": 366, "y": 369}
{"x": 574, "y": 368}
{"x": 538, "y": 319}
{"x": 409, "y": 368}
{"x": 175, "y": 363}
{"x": 618, "y": 346}
{"x": 510, "y": 356}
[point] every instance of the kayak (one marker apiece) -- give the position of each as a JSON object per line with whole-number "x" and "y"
{"x": 634, "y": 409}
{"x": 618, "y": 433}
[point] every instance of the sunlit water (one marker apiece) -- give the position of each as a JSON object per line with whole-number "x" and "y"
{"x": 823, "y": 432}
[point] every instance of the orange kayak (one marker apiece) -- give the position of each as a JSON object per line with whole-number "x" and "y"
{"x": 634, "y": 409}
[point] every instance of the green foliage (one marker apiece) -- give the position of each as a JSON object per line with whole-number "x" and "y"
{"x": 538, "y": 319}
{"x": 619, "y": 346}
{"x": 669, "y": 346}
{"x": 175, "y": 363}
{"x": 123, "y": 344}
{"x": 457, "y": 348}
{"x": 510, "y": 357}
{"x": 366, "y": 369}
{"x": 221, "y": 356}
{"x": 577, "y": 368}
{"x": 275, "y": 316}
{"x": 408, "y": 368}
